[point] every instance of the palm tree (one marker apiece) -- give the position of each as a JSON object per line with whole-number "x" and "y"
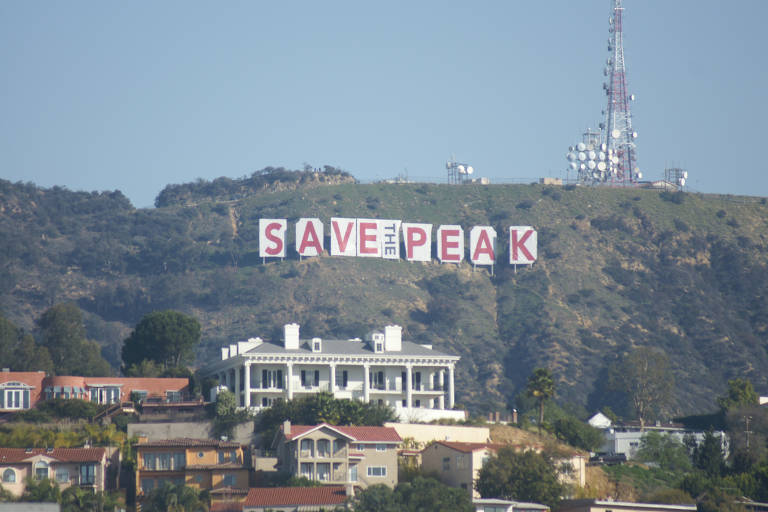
{"x": 541, "y": 386}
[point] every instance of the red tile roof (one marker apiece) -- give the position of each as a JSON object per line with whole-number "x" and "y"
{"x": 469, "y": 447}
{"x": 360, "y": 434}
{"x": 185, "y": 442}
{"x": 14, "y": 455}
{"x": 231, "y": 506}
{"x": 294, "y": 496}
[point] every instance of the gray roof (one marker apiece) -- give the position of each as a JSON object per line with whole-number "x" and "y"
{"x": 348, "y": 347}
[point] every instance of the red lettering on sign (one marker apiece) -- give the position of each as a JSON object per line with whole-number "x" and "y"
{"x": 483, "y": 246}
{"x": 268, "y": 233}
{"x": 519, "y": 245}
{"x": 363, "y": 237}
{"x": 414, "y": 237}
{"x": 342, "y": 240}
{"x": 310, "y": 238}
{"x": 453, "y": 244}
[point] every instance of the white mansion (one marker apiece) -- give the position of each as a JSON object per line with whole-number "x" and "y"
{"x": 415, "y": 380}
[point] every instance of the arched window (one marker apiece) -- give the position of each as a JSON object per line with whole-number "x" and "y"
{"x": 9, "y": 476}
{"x": 307, "y": 448}
{"x": 41, "y": 470}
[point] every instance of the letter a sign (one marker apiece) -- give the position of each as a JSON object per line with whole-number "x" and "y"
{"x": 522, "y": 245}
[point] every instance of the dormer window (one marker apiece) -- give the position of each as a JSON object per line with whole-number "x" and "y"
{"x": 317, "y": 345}
{"x": 378, "y": 346}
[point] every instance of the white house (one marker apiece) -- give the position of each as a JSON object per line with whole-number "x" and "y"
{"x": 417, "y": 381}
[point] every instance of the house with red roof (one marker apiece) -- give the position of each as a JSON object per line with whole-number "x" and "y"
{"x": 334, "y": 455}
{"x": 84, "y": 467}
{"x": 294, "y": 499}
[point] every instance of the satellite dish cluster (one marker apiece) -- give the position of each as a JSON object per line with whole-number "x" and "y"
{"x": 594, "y": 161}
{"x": 460, "y": 168}
{"x": 458, "y": 172}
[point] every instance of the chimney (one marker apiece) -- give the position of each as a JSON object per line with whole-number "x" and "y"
{"x": 393, "y": 338}
{"x": 514, "y": 416}
{"x": 498, "y": 417}
{"x": 224, "y": 353}
{"x": 291, "y": 336}
{"x": 287, "y": 428}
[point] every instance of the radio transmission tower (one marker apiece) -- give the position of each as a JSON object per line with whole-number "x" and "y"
{"x": 612, "y": 159}
{"x": 617, "y": 128}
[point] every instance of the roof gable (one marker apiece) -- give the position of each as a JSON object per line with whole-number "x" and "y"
{"x": 16, "y": 455}
{"x": 363, "y": 434}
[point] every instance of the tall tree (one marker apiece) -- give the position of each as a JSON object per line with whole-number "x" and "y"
{"x": 740, "y": 393}
{"x": 19, "y": 352}
{"x": 644, "y": 375}
{"x": 166, "y": 337}
{"x": 541, "y": 386}
{"x": 527, "y": 476}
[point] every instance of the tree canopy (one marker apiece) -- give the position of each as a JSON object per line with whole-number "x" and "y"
{"x": 165, "y": 337}
{"x": 420, "y": 495}
{"x": 526, "y": 476}
{"x": 644, "y": 375}
{"x": 740, "y": 393}
{"x": 541, "y": 386}
{"x": 665, "y": 450}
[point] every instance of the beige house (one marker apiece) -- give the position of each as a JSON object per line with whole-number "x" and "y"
{"x": 456, "y": 463}
{"x": 356, "y": 456}
{"x": 84, "y": 467}
{"x": 592, "y": 505}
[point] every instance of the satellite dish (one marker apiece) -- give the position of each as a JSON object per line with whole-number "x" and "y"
{"x": 639, "y": 175}
{"x": 570, "y": 148}
{"x": 590, "y": 147}
{"x": 461, "y": 169}
{"x": 470, "y": 169}
{"x": 682, "y": 182}
{"x": 615, "y": 160}
{"x": 685, "y": 174}
{"x": 591, "y": 164}
{"x": 582, "y": 156}
{"x": 573, "y": 165}
{"x": 603, "y": 146}
{"x": 582, "y": 167}
{"x": 596, "y": 175}
{"x": 615, "y": 134}
{"x": 447, "y": 165}
{"x": 634, "y": 135}
{"x": 601, "y": 156}
{"x": 581, "y": 146}
{"x": 632, "y": 97}
{"x": 571, "y": 156}
{"x": 592, "y": 155}
{"x": 601, "y": 166}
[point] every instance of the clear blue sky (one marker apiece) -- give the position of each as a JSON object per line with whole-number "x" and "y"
{"x": 104, "y": 95}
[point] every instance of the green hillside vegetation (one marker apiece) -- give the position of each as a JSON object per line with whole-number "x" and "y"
{"x": 617, "y": 269}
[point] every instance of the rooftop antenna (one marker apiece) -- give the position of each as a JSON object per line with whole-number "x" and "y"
{"x": 458, "y": 172}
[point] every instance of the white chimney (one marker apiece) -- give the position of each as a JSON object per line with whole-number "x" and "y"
{"x": 291, "y": 336}
{"x": 393, "y": 338}
{"x": 224, "y": 353}
{"x": 287, "y": 428}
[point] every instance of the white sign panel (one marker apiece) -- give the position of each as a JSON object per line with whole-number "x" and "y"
{"x": 272, "y": 238}
{"x": 309, "y": 237}
{"x": 450, "y": 244}
{"x": 343, "y": 237}
{"x": 390, "y": 239}
{"x": 368, "y": 238}
{"x": 523, "y": 243}
{"x": 418, "y": 241}
{"x": 482, "y": 245}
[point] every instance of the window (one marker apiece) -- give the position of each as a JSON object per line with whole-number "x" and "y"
{"x": 9, "y": 476}
{"x": 105, "y": 395}
{"x": 41, "y": 470}
{"x": 353, "y": 473}
{"x": 138, "y": 396}
{"x": 229, "y": 480}
{"x": 323, "y": 448}
{"x": 14, "y": 395}
{"x": 316, "y": 344}
{"x": 147, "y": 484}
{"x": 199, "y": 479}
{"x": 173, "y": 396}
{"x": 307, "y": 470}
{"x": 307, "y": 448}
{"x": 417, "y": 403}
{"x": 446, "y": 463}
{"x": 317, "y": 378}
{"x": 164, "y": 461}
{"x": 227, "y": 456}
{"x": 378, "y": 471}
{"x": 304, "y": 378}
{"x": 200, "y": 455}
{"x": 87, "y": 474}
{"x": 417, "y": 381}
{"x": 338, "y": 445}
{"x": 268, "y": 401}
{"x": 377, "y": 380}
{"x": 461, "y": 461}
{"x": 378, "y": 347}
{"x": 380, "y": 447}
{"x": 323, "y": 471}
{"x": 62, "y": 475}
{"x": 342, "y": 379}
{"x": 272, "y": 379}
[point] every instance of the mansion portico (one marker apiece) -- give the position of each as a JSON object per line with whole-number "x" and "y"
{"x": 417, "y": 381}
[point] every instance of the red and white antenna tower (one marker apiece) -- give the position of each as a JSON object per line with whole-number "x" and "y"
{"x": 617, "y": 131}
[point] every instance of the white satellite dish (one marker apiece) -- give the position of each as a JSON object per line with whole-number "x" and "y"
{"x": 639, "y": 175}
{"x": 571, "y": 156}
{"x": 615, "y": 134}
{"x": 682, "y": 182}
{"x": 582, "y": 167}
{"x": 447, "y": 165}
{"x": 581, "y": 146}
{"x": 634, "y": 135}
{"x": 591, "y": 164}
{"x": 570, "y": 148}
{"x": 592, "y": 155}
{"x": 632, "y": 97}
{"x": 573, "y": 165}
{"x": 601, "y": 155}
{"x": 603, "y": 146}
{"x": 582, "y": 156}
{"x": 601, "y": 166}
{"x": 615, "y": 160}
{"x": 461, "y": 169}
{"x": 470, "y": 169}
{"x": 685, "y": 174}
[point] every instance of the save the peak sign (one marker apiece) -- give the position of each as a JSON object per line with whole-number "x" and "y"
{"x": 378, "y": 238}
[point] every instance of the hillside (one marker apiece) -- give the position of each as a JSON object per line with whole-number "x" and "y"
{"x": 617, "y": 268}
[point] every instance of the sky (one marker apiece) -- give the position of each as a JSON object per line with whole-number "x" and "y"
{"x": 133, "y": 96}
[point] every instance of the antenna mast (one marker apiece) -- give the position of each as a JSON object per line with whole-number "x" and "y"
{"x": 617, "y": 128}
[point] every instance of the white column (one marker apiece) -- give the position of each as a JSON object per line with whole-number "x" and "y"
{"x": 441, "y": 398}
{"x": 407, "y": 386}
{"x": 247, "y": 376}
{"x": 366, "y": 383}
{"x": 289, "y": 379}
{"x": 451, "y": 397}
{"x": 238, "y": 395}
{"x": 332, "y": 377}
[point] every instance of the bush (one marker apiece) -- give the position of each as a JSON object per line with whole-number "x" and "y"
{"x": 578, "y": 434}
